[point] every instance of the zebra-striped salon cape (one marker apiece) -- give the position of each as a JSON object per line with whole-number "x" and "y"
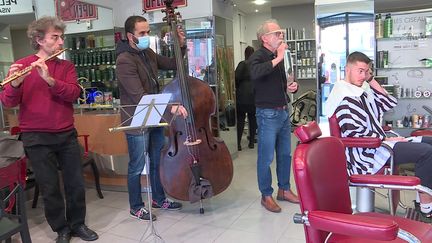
{"x": 359, "y": 116}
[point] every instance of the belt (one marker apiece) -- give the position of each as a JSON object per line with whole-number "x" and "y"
{"x": 280, "y": 107}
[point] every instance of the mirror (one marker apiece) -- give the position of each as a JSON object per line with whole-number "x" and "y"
{"x": 341, "y": 28}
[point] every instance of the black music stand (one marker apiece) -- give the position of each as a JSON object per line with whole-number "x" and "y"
{"x": 148, "y": 113}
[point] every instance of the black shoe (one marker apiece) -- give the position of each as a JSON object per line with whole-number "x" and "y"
{"x": 141, "y": 214}
{"x": 251, "y": 145}
{"x": 167, "y": 205}
{"x": 255, "y": 140}
{"x": 84, "y": 233}
{"x": 239, "y": 148}
{"x": 64, "y": 236}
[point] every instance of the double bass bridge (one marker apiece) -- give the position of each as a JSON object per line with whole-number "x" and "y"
{"x": 192, "y": 143}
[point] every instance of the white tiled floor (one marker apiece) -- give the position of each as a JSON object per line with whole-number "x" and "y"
{"x": 235, "y": 215}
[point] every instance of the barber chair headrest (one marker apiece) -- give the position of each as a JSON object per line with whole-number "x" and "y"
{"x": 308, "y": 132}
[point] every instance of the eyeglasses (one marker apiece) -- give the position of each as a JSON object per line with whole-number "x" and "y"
{"x": 276, "y": 32}
{"x": 56, "y": 37}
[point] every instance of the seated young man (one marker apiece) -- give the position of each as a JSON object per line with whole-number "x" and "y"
{"x": 359, "y": 102}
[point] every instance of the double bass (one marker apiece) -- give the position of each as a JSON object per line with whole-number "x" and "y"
{"x": 193, "y": 154}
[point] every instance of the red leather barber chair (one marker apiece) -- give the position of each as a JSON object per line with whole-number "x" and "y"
{"x": 86, "y": 160}
{"x": 320, "y": 173}
{"x": 13, "y": 218}
{"x": 365, "y": 197}
{"x": 421, "y": 132}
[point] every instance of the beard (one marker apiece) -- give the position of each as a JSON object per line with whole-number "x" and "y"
{"x": 275, "y": 44}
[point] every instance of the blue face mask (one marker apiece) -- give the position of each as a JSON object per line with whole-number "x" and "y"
{"x": 143, "y": 42}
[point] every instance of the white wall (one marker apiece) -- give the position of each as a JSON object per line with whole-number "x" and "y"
{"x": 6, "y": 55}
{"x": 296, "y": 17}
{"x": 21, "y": 44}
{"x": 253, "y": 21}
{"x": 238, "y": 36}
{"x": 104, "y": 22}
{"x": 222, "y": 9}
{"x": 44, "y": 8}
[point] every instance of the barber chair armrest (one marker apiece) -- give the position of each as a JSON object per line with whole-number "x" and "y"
{"x": 354, "y": 225}
{"x": 361, "y": 142}
{"x": 385, "y": 179}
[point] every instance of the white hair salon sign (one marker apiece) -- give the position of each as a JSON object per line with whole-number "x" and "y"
{"x": 10, "y": 7}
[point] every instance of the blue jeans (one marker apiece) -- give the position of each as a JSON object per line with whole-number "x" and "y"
{"x": 151, "y": 142}
{"x": 274, "y": 133}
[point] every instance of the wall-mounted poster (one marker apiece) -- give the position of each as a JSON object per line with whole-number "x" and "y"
{"x": 11, "y": 7}
{"x": 73, "y": 10}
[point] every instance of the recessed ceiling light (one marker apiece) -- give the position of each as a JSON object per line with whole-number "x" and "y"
{"x": 259, "y": 2}
{"x": 5, "y": 38}
{"x": 256, "y": 10}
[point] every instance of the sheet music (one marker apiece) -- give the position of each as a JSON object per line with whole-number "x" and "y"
{"x": 288, "y": 62}
{"x": 141, "y": 110}
{"x": 288, "y": 65}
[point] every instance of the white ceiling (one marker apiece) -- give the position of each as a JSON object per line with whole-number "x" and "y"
{"x": 247, "y": 6}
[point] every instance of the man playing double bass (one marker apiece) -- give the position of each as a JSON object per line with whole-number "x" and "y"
{"x": 137, "y": 67}
{"x": 45, "y": 96}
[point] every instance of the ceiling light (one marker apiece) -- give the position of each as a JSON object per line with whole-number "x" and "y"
{"x": 5, "y": 38}
{"x": 256, "y": 10}
{"x": 259, "y": 2}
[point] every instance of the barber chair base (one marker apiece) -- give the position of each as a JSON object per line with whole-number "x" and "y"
{"x": 365, "y": 200}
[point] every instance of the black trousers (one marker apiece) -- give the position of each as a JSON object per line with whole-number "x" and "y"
{"x": 418, "y": 153}
{"x": 45, "y": 160}
{"x": 242, "y": 110}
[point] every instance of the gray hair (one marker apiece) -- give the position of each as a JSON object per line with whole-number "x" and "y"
{"x": 263, "y": 28}
{"x": 38, "y": 28}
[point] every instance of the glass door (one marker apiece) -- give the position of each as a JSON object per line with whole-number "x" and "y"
{"x": 338, "y": 35}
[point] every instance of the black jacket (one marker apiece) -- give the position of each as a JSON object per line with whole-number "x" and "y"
{"x": 244, "y": 85}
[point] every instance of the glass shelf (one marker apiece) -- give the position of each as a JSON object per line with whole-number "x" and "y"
{"x": 405, "y": 38}
{"x": 421, "y": 98}
{"x": 95, "y": 49}
{"x": 407, "y": 67}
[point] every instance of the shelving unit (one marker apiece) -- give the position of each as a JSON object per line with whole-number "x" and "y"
{"x": 304, "y": 58}
{"x": 405, "y": 70}
{"x": 94, "y": 58}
